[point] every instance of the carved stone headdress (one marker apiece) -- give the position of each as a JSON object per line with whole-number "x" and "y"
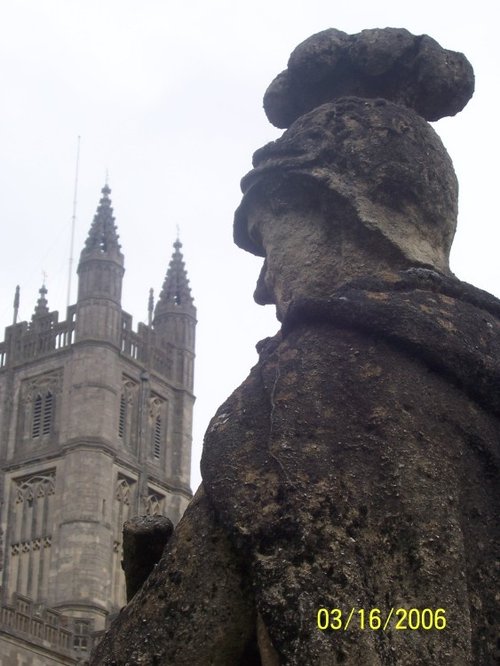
{"x": 356, "y": 108}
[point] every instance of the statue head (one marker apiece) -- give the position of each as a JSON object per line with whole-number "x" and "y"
{"x": 355, "y": 186}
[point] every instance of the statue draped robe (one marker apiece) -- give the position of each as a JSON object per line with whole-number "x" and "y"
{"x": 355, "y": 468}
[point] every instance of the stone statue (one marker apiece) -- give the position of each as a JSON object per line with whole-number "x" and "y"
{"x": 349, "y": 506}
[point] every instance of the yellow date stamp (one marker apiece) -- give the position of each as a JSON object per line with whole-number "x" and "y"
{"x": 374, "y": 619}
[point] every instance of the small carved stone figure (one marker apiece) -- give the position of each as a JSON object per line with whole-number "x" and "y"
{"x": 356, "y": 468}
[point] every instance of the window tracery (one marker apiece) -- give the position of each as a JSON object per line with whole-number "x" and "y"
{"x": 127, "y": 414}
{"x": 124, "y": 498}
{"x": 157, "y": 426}
{"x": 154, "y": 503}
{"x": 30, "y": 539}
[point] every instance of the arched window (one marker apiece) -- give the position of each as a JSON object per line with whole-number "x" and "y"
{"x": 153, "y": 504}
{"x": 128, "y": 412}
{"x": 124, "y": 505}
{"x": 81, "y": 635}
{"x": 157, "y": 427}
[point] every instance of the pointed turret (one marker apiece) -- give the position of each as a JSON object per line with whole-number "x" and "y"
{"x": 102, "y": 238}
{"x": 175, "y": 295}
{"x": 174, "y": 327}
{"x": 42, "y": 306}
{"x": 175, "y": 316}
{"x": 100, "y": 276}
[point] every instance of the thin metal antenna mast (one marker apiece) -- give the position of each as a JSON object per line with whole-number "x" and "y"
{"x": 16, "y": 304}
{"x": 73, "y": 222}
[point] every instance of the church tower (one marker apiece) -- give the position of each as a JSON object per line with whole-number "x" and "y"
{"x": 100, "y": 277}
{"x": 174, "y": 324}
{"x": 95, "y": 425}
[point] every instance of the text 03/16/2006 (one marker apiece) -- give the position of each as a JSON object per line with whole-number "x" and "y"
{"x": 396, "y": 618}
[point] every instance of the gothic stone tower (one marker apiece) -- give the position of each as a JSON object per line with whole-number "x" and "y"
{"x": 95, "y": 426}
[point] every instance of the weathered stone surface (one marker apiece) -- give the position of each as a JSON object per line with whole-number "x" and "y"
{"x": 390, "y": 63}
{"x": 361, "y": 469}
{"x": 144, "y": 539}
{"x": 196, "y": 607}
{"x": 379, "y": 159}
{"x": 356, "y": 468}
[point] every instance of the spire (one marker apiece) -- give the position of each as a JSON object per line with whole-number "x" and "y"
{"x": 175, "y": 293}
{"x": 41, "y": 307}
{"x": 102, "y": 238}
{"x": 100, "y": 269}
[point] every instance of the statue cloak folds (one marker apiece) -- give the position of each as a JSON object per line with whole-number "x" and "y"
{"x": 369, "y": 478}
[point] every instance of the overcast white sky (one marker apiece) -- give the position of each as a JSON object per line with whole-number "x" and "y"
{"x": 167, "y": 96}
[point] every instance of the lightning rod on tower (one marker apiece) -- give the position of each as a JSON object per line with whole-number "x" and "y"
{"x": 73, "y": 222}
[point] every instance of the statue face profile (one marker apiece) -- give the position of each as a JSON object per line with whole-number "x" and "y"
{"x": 377, "y": 175}
{"x": 312, "y": 242}
{"x": 301, "y": 257}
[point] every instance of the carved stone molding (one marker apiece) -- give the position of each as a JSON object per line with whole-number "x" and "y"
{"x": 50, "y": 381}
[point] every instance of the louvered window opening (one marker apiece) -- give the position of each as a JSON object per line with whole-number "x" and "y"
{"x": 43, "y": 411}
{"x": 121, "y": 420}
{"x": 47, "y": 414}
{"x": 157, "y": 438}
{"x": 37, "y": 417}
